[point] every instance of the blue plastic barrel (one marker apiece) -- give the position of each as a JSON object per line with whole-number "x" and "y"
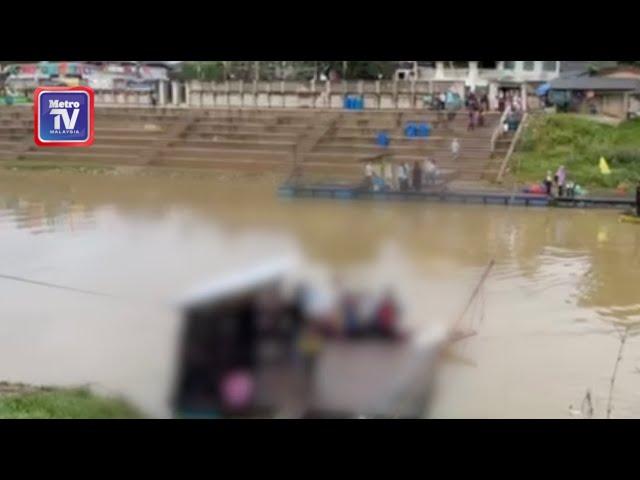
{"x": 410, "y": 130}
{"x": 424, "y": 129}
{"x": 383, "y": 139}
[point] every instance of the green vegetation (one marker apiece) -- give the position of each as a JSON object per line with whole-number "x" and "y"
{"x": 289, "y": 70}
{"x": 208, "y": 71}
{"x": 362, "y": 70}
{"x": 22, "y": 401}
{"x": 578, "y": 143}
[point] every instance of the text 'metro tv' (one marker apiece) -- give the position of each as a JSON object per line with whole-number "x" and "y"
{"x": 63, "y": 116}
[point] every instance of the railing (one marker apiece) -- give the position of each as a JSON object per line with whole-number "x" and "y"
{"x": 498, "y": 131}
{"x": 507, "y": 157}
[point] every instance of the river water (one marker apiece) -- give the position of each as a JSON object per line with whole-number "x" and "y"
{"x": 549, "y": 321}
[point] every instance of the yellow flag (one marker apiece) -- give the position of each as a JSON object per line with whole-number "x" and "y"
{"x": 604, "y": 167}
{"x": 602, "y": 236}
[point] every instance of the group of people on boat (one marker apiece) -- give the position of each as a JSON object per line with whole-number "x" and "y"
{"x": 402, "y": 177}
{"x": 351, "y": 315}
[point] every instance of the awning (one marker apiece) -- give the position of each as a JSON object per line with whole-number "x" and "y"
{"x": 224, "y": 286}
{"x": 543, "y": 89}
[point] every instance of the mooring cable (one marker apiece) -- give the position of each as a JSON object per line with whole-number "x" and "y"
{"x": 53, "y": 285}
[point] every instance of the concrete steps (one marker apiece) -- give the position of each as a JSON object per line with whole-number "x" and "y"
{"x": 331, "y": 142}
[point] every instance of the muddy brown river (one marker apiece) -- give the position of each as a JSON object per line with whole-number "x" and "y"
{"x": 565, "y": 285}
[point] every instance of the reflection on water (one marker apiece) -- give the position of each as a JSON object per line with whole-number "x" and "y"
{"x": 563, "y": 281}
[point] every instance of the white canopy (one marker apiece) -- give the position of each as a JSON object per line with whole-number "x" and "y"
{"x": 232, "y": 283}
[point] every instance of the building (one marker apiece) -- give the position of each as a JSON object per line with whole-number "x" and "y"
{"x": 21, "y": 77}
{"x": 523, "y": 76}
{"x": 492, "y": 76}
{"x": 480, "y": 73}
{"x": 612, "y": 91}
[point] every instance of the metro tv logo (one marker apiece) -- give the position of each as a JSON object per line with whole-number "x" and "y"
{"x": 63, "y": 116}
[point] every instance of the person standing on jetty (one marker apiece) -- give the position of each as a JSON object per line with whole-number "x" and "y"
{"x": 417, "y": 176}
{"x": 561, "y": 177}
{"x": 403, "y": 177}
{"x": 548, "y": 182}
{"x": 368, "y": 176}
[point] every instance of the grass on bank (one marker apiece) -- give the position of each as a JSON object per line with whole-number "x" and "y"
{"x": 24, "y": 402}
{"x": 578, "y": 143}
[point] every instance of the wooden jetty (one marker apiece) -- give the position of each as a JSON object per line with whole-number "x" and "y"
{"x": 452, "y": 196}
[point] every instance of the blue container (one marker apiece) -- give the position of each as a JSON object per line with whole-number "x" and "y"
{"x": 423, "y": 130}
{"x": 410, "y": 130}
{"x": 353, "y": 102}
{"x": 382, "y": 139}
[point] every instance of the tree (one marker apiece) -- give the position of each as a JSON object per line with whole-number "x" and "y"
{"x": 205, "y": 71}
{"x": 269, "y": 71}
{"x": 361, "y": 70}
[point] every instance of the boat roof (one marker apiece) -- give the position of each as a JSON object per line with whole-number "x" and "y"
{"x": 247, "y": 279}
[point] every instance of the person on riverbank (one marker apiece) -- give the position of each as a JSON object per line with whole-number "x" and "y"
{"x": 501, "y": 101}
{"x": 455, "y": 149}
{"x": 484, "y": 102}
{"x": 368, "y": 176}
{"x": 473, "y": 107}
{"x": 403, "y": 178}
{"x": 430, "y": 172}
{"x": 417, "y": 176}
{"x": 407, "y": 169}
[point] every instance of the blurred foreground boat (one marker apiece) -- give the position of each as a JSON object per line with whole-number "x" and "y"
{"x": 242, "y": 354}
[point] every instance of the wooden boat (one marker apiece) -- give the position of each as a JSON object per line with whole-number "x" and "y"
{"x": 369, "y": 376}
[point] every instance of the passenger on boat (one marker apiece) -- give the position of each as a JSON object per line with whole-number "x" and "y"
{"x": 387, "y": 316}
{"x": 417, "y": 176}
{"x": 350, "y": 317}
